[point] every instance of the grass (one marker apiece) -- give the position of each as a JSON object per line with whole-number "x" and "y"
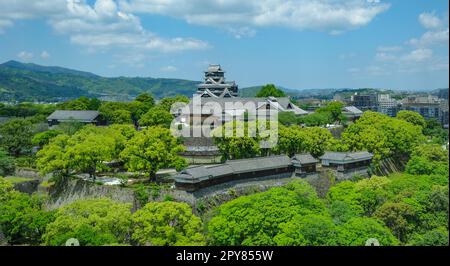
{"x": 16, "y": 180}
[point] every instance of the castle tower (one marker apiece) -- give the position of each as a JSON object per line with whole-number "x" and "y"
{"x": 215, "y": 84}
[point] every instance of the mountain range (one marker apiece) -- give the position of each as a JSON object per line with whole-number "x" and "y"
{"x": 31, "y": 82}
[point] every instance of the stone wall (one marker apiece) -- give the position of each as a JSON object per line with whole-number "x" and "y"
{"x": 28, "y": 187}
{"x": 69, "y": 190}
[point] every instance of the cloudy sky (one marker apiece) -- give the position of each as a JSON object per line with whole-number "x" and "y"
{"x": 400, "y": 44}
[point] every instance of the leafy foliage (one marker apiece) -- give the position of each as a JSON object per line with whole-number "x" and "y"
{"x": 270, "y": 90}
{"x": 167, "y": 224}
{"x": 152, "y": 149}
{"x": 15, "y": 136}
{"x": 7, "y": 165}
{"x": 383, "y": 136}
{"x": 93, "y": 222}
{"x": 156, "y": 116}
{"x": 22, "y": 217}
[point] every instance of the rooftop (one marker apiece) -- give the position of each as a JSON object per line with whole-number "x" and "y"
{"x": 347, "y": 156}
{"x": 66, "y": 115}
{"x": 304, "y": 158}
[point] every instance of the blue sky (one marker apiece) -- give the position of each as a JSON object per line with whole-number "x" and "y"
{"x": 298, "y": 44}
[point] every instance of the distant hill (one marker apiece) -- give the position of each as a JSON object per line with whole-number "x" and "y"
{"x": 252, "y": 91}
{"x": 31, "y": 82}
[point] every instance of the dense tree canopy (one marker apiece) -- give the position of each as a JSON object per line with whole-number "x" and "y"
{"x": 7, "y": 165}
{"x": 84, "y": 152}
{"x": 93, "y": 222}
{"x": 412, "y": 117}
{"x": 256, "y": 219}
{"x": 152, "y": 149}
{"x": 167, "y": 224}
{"x": 156, "y": 116}
{"x": 82, "y": 103}
{"x": 22, "y": 217}
{"x": 270, "y": 90}
{"x": 15, "y": 136}
{"x": 43, "y": 138}
{"x": 384, "y": 136}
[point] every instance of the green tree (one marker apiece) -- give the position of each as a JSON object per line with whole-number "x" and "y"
{"x": 84, "y": 152}
{"x": 334, "y": 111}
{"x": 121, "y": 117}
{"x": 167, "y": 103}
{"x": 52, "y": 158}
{"x": 89, "y": 149}
{"x": 7, "y": 165}
{"x": 156, "y": 116}
{"x": 22, "y": 217}
{"x": 288, "y": 118}
{"x": 43, "y": 138}
{"x": 412, "y": 117}
{"x": 317, "y": 119}
{"x": 435, "y": 132}
{"x": 70, "y": 127}
{"x": 435, "y": 237}
{"x": 152, "y": 149}
{"x": 399, "y": 217}
{"x": 93, "y": 222}
{"x": 270, "y": 90}
{"x": 167, "y": 224}
{"x": 428, "y": 159}
{"x": 146, "y": 98}
{"x": 358, "y": 230}
{"x": 308, "y": 230}
{"x": 258, "y": 218}
{"x": 15, "y": 136}
{"x": 383, "y": 136}
{"x": 314, "y": 140}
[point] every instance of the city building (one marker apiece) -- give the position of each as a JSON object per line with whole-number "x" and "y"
{"x": 215, "y": 85}
{"x": 427, "y": 106}
{"x": 84, "y": 117}
{"x": 444, "y": 113}
{"x": 365, "y": 102}
{"x": 387, "y": 105}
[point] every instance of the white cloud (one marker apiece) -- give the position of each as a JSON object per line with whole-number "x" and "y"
{"x": 25, "y": 56}
{"x": 169, "y": 69}
{"x": 431, "y": 38}
{"x": 418, "y": 55}
{"x": 430, "y": 21}
{"x": 333, "y": 16}
{"x": 44, "y": 55}
{"x": 98, "y": 26}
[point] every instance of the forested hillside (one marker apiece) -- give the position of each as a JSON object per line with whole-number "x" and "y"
{"x": 30, "y": 82}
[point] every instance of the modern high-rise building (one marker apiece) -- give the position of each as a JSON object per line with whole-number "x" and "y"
{"x": 427, "y": 106}
{"x": 365, "y": 102}
{"x": 215, "y": 84}
{"x": 387, "y": 105}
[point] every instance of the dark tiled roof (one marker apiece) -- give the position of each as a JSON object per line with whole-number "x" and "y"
{"x": 84, "y": 116}
{"x": 347, "y": 156}
{"x": 305, "y": 158}
{"x": 200, "y": 173}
